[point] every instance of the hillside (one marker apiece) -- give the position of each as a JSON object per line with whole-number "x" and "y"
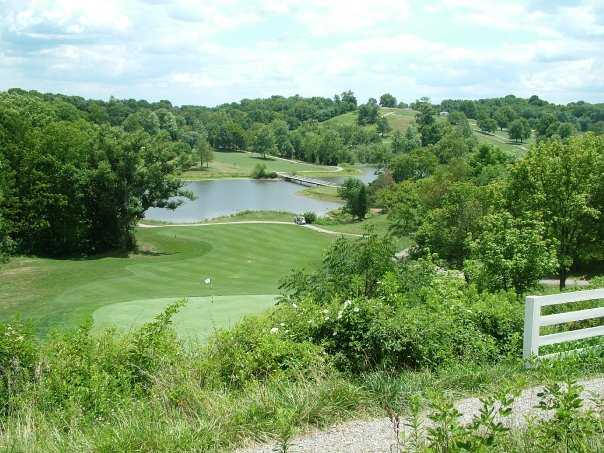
{"x": 399, "y": 119}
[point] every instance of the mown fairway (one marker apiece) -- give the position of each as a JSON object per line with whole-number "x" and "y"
{"x": 239, "y": 164}
{"x": 399, "y": 119}
{"x": 241, "y": 260}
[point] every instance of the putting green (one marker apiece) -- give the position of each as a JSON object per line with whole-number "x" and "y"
{"x": 196, "y": 320}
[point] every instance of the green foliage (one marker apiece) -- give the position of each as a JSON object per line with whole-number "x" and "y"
{"x": 509, "y": 253}
{"x": 18, "y": 358}
{"x": 559, "y": 183}
{"x": 519, "y": 129}
{"x": 256, "y": 350}
{"x": 260, "y": 171}
{"x": 387, "y": 100}
{"x": 350, "y": 268}
{"x": 368, "y": 113}
{"x": 354, "y": 193}
{"x": 310, "y": 217}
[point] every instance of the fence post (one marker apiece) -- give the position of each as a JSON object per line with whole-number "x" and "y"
{"x": 532, "y": 312}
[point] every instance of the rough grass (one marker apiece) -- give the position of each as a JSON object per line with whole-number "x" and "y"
{"x": 377, "y": 223}
{"x": 399, "y": 119}
{"x": 240, "y": 164}
{"x": 241, "y": 260}
{"x": 501, "y": 140}
{"x": 322, "y": 193}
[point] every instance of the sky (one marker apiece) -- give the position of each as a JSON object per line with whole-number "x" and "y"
{"x": 210, "y": 52}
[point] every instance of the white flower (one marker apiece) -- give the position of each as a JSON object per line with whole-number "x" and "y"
{"x": 326, "y": 318}
{"x": 334, "y": 334}
{"x": 347, "y": 303}
{"x": 275, "y": 330}
{"x": 325, "y": 312}
{"x": 356, "y": 309}
{"x": 340, "y": 314}
{"x": 294, "y": 305}
{"x": 282, "y": 324}
{"x": 207, "y": 281}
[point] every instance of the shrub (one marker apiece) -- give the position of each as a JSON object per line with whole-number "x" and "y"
{"x": 260, "y": 172}
{"x": 18, "y": 356}
{"x": 310, "y": 217}
{"x": 255, "y": 350}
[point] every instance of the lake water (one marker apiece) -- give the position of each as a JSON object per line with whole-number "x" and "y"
{"x": 229, "y": 196}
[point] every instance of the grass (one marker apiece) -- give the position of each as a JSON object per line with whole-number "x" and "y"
{"x": 377, "y": 223}
{"x": 196, "y": 320}
{"x": 399, "y": 119}
{"x": 500, "y": 139}
{"x": 240, "y": 165}
{"x": 241, "y": 259}
{"x": 242, "y": 216}
{"x": 322, "y": 193}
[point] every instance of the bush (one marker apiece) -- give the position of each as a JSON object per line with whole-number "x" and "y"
{"x": 451, "y": 322}
{"x": 310, "y": 217}
{"x": 255, "y": 350}
{"x": 260, "y": 172}
{"x": 18, "y": 356}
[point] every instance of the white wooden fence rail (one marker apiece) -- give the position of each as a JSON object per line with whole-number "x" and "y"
{"x": 533, "y": 320}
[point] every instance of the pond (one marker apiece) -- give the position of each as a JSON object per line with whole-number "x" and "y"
{"x": 229, "y": 196}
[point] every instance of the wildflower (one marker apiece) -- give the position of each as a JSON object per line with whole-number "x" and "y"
{"x": 325, "y": 312}
{"x": 340, "y": 314}
{"x": 334, "y": 334}
{"x": 326, "y": 318}
{"x": 274, "y": 330}
{"x": 347, "y": 303}
{"x": 282, "y": 324}
{"x": 356, "y": 309}
{"x": 294, "y": 305}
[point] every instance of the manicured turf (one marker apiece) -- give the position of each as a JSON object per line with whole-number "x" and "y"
{"x": 377, "y": 223}
{"x": 236, "y": 164}
{"x": 195, "y": 321}
{"x": 240, "y": 259}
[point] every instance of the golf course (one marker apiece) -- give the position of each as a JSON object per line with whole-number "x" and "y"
{"x": 243, "y": 262}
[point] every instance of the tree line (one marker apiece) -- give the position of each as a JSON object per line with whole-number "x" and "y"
{"x": 502, "y": 220}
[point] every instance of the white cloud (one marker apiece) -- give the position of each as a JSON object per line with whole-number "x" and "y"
{"x": 205, "y": 51}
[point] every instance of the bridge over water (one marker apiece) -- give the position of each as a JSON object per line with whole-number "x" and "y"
{"x": 305, "y": 181}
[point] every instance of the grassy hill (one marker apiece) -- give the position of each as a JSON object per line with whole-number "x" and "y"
{"x": 399, "y": 119}
{"x": 500, "y": 139}
{"x": 245, "y": 262}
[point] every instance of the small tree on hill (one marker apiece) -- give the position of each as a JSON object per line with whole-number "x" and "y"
{"x": 204, "y": 149}
{"x": 519, "y": 130}
{"x": 383, "y": 127}
{"x": 387, "y": 100}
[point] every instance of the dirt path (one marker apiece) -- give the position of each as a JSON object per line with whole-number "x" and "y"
{"x": 378, "y": 436}
{"x": 248, "y": 222}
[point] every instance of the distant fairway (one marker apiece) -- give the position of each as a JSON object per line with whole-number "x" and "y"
{"x": 239, "y": 164}
{"x": 240, "y": 259}
{"x": 199, "y": 318}
{"x": 399, "y": 119}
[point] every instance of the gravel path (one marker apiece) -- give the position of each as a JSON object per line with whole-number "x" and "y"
{"x": 377, "y": 435}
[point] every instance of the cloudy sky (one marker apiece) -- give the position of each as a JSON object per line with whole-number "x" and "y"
{"x": 214, "y": 51}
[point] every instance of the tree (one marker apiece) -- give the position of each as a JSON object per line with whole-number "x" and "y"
{"x": 398, "y": 142}
{"x": 387, "y": 100}
{"x": 558, "y": 182}
{"x": 264, "y": 142}
{"x": 354, "y": 193}
{"x": 509, "y": 253}
{"x": 383, "y": 127}
{"x": 282, "y": 141}
{"x": 417, "y": 164}
{"x": 204, "y": 149}
{"x": 349, "y": 100}
{"x": 487, "y": 124}
{"x": 519, "y": 130}
{"x": 504, "y": 116}
{"x": 413, "y": 138}
{"x": 368, "y": 113}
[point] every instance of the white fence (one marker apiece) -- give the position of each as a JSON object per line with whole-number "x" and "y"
{"x": 533, "y": 320}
